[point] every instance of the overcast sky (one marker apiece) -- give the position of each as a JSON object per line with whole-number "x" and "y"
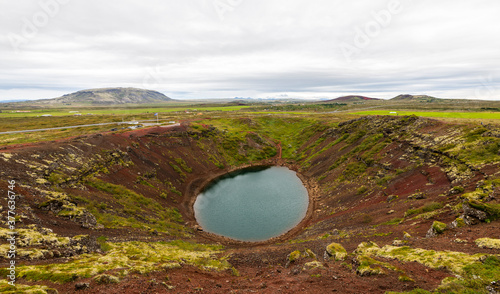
{"x": 251, "y": 48}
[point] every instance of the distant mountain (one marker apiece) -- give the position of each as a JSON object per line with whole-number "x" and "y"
{"x": 408, "y": 97}
{"x": 14, "y": 100}
{"x": 109, "y": 96}
{"x": 351, "y": 98}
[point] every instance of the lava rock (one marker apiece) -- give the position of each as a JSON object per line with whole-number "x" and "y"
{"x": 82, "y": 286}
{"x": 470, "y": 212}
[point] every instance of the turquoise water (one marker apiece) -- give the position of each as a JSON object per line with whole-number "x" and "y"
{"x": 253, "y": 205}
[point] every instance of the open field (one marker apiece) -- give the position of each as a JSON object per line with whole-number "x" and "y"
{"x": 10, "y": 120}
{"x": 114, "y": 110}
{"x": 464, "y": 115}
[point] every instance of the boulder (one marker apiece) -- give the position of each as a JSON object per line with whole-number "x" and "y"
{"x": 335, "y": 251}
{"x": 82, "y": 286}
{"x": 472, "y": 215}
{"x": 436, "y": 229}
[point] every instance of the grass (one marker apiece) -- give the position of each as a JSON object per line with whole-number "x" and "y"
{"x": 138, "y": 211}
{"x": 117, "y": 111}
{"x": 426, "y": 208}
{"x": 14, "y": 121}
{"x": 284, "y": 130}
{"x": 392, "y": 222}
{"x": 464, "y": 115}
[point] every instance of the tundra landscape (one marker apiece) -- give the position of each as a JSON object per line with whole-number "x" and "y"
{"x": 397, "y": 203}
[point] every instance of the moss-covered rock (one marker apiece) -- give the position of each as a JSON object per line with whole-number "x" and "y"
{"x": 491, "y": 210}
{"x": 416, "y": 196}
{"x": 106, "y": 279}
{"x": 439, "y": 227}
{"x": 312, "y": 265}
{"x": 309, "y": 254}
{"x": 488, "y": 243}
{"x": 368, "y": 266}
{"x": 367, "y": 248}
{"x": 294, "y": 256}
{"x": 336, "y": 251}
{"x": 458, "y": 223}
{"x": 436, "y": 229}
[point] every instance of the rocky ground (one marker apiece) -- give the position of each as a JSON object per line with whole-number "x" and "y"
{"x": 397, "y": 204}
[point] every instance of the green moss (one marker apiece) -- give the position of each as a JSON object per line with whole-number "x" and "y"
{"x": 312, "y": 265}
{"x": 293, "y": 256}
{"x": 140, "y": 257}
{"x": 24, "y": 289}
{"x": 475, "y": 277}
{"x": 56, "y": 178}
{"x": 368, "y": 266}
{"x": 493, "y": 210}
{"x": 106, "y": 279}
{"x": 460, "y": 222}
{"x": 353, "y": 171}
{"x": 346, "y": 265}
{"x": 367, "y": 248}
{"x": 143, "y": 213}
{"x": 184, "y": 165}
{"x": 414, "y": 291}
{"x": 309, "y": 254}
{"x": 72, "y": 211}
{"x": 336, "y": 251}
{"x": 103, "y": 244}
{"x": 439, "y": 227}
{"x": 235, "y": 272}
{"x": 455, "y": 262}
{"x": 394, "y": 221}
{"x": 361, "y": 190}
{"x": 177, "y": 169}
{"x": 488, "y": 243}
{"x": 426, "y": 208}
{"x": 405, "y": 278}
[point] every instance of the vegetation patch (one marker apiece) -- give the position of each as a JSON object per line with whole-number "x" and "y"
{"x": 143, "y": 213}
{"x": 336, "y": 251}
{"x": 426, "y": 208}
{"x": 455, "y": 262}
{"x": 20, "y": 288}
{"x": 293, "y": 256}
{"x": 392, "y": 222}
{"x": 137, "y": 257}
{"x": 476, "y": 278}
{"x": 438, "y": 227}
{"x": 368, "y": 266}
{"x": 491, "y": 209}
{"x": 488, "y": 243}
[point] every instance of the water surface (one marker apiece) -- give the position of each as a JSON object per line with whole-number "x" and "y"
{"x": 253, "y": 205}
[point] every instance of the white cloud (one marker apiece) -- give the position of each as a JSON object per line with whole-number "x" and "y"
{"x": 227, "y": 48}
